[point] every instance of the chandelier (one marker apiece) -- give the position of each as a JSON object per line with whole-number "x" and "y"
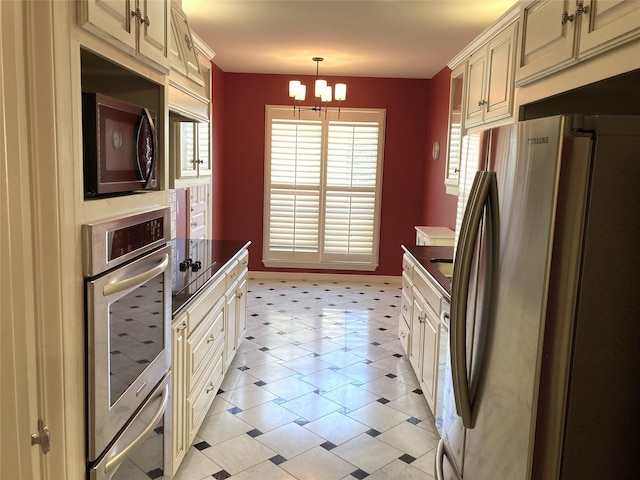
{"x": 323, "y": 93}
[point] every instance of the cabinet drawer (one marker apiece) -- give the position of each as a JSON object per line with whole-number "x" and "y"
{"x": 407, "y": 265}
{"x": 231, "y": 273}
{"x": 200, "y": 400}
{"x": 205, "y": 301}
{"x": 429, "y": 293}
{"x": 204, "y": 341}
{"x": 404, "y": 333}
{"x": 405, "y": 303}
{"x": 407, "y": 284}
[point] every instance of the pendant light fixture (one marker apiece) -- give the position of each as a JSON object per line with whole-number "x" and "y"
{"x": 323, "y": 93}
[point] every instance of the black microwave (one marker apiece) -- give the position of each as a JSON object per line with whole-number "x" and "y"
{"x": 120, "y": 146}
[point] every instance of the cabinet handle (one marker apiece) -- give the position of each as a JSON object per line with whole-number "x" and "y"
{"x": 187, "y": 40}
{"x": 582, "y": 9}
{"x": 482, "y": 102}
{"x": 136, "y": 13}
{"x": 182, "y": 326}
{"x": 420, "y": 318}
{"x": 239, "y": 295}
{"x": 194, "y": 224}
{"x": 211, "y": 338}
{"x": 404, "y": 307}
{"x": 566, "y": 18}
{"x": 210, "y": 387}
{"x": 145, "y": 20}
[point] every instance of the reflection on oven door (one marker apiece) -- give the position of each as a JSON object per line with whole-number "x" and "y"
{"x": 142, "y": 449}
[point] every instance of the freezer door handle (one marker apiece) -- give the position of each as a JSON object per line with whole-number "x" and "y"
{"x": 484, "y": 197}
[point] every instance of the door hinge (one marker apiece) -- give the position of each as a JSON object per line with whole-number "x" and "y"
{"x": 42, "y": 438}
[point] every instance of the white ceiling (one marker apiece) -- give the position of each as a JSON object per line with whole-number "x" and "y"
{"x": 367, "y": 38}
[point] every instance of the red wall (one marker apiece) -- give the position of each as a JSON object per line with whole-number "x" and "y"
{"x": 439, "y": 209}
{"x": 217, "y": 150}
{"x": 403, "y": 188}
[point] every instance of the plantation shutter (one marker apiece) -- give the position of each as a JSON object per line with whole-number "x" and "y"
{"x": 352, "y": 160}
{"x": 322, "y": 189}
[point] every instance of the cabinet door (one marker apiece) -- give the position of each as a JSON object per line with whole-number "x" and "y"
{"x": 475, "y": 99}
{"x": 110, "y": 20}
{"x": 153, "y": 31}
{"x": 187, "y": 139}
{"x": 241, "y": 298}
{"x": 417, "y": 333}
{"x": 430, "y": 353}
{"x": 198, "y": 212}
{"x": 499, "y": 83}
{"x": 607, "y": 23}
{"x": 204, "y": 149}
{"x": 456, "y": 127}
{"x": 230, "y": 323}
{"x": 548, "y": 42}
{"x": 179, "y": 442}
{"x": 185, "y": 47}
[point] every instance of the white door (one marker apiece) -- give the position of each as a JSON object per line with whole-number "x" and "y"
{"x": 19, "y": 390}
{"x": 608, "y": 23}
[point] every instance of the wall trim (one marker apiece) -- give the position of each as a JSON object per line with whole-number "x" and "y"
{"x": 392, "y": 280}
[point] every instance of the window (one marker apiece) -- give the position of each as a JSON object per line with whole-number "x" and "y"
{"x": 323, "y": 188}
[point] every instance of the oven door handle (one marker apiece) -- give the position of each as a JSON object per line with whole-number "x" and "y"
{"x": 136, "y": 280}
{"x": 114, "y": 462}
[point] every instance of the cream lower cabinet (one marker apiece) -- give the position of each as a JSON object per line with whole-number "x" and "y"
{"x": 419, "y": 327}
{"x": 201, "y": 348}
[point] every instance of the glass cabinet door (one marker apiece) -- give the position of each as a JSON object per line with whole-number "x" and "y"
{"x": 188, "y": 160}
{"x": 456, "y": 129}
{"x": 204, "y": 148}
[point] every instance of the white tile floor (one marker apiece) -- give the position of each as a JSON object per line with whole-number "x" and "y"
{"x": 320, "y": 389}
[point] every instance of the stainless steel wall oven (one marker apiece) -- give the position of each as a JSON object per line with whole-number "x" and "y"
{"x": 128, "y": 277}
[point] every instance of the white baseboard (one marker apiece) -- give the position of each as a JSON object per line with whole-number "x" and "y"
{"x": 386, "y": 279}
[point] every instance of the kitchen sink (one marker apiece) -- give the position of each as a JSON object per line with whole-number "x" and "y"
{"x": 445, "y": 265}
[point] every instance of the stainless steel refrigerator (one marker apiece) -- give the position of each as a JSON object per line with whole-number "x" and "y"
{"x": 543, "y": 380}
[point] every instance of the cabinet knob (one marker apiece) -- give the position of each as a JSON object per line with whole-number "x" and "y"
{"x": 145, "y": 20}
{"x": 136, "y": 13}
{"x": 187, "y": 40}
{"x": 566, "y": 18}
{"x": 210, "y": 387}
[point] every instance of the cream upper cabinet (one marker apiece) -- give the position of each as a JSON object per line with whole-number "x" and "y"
{"x": 489, "y": 94}
{"x": 182, "y": 51}
{"x": 557, "y": 34}
{"x": 455, "y": 129}
{"x": 191, "y": 147}
{"x": 138, "y": 27}
{"x": 606, "y": 24}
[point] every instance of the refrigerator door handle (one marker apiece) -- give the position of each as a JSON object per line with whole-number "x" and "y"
{"x": 484, "y": 195}
{"x": 438, "y": 466}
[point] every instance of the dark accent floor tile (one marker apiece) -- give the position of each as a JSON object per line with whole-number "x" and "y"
{"x": 367, "y": 361}
{"x": 418, "y": 391}
{"x": 359, "y": 474}
{"x": 243, "y": 368}
{"x": 263, "y": 349}
{"x": 390, "y": 375}
{"x": 259, "y": 383}
{"x": 383, "y": 400}
{"x": 201, "y": 445}
{"x": 221, "y": 475}
{"x": 279, "y": 401}
{"x": 220, "y": 391}
{"x": 328, "y": 445}
{"x": 375, "y": 343}
{"x": 345, "y": 411}
{"x": 382, "y": 329}
{"x": 278, "y": 459}
{"x": 414, "y": 420}
{"x": 301, "y": 421}
{"x": 406, "y": 458}
{"x": 254, "y": 433}
{"x": 234, "y": 410}
{"x": 250, "y": 338}
{"x": 373, "y": 432}
{"x": 156, "y": 473}
{"x": 397, "y": 355}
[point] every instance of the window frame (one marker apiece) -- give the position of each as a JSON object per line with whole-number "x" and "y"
{"x": 321, "y": 259}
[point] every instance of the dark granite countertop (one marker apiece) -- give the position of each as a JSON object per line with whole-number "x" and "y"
{"x": 213, "y": 256}
{"x": 423, "y": 255}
